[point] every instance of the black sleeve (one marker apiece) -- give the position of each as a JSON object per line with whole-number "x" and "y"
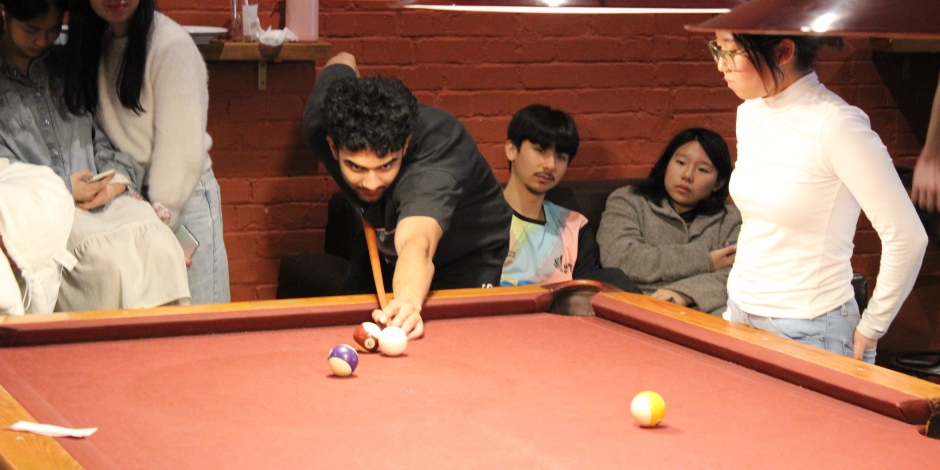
{"x": 614, "y": 277}
{"x": 442, "y": 170}
{"x": 587, "y": 266}
{"x": 359, "y": 276}
{"x": 588, "y": 253}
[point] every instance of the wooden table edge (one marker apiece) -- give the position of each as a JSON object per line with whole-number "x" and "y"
{"x": 24, "y": 450}
{"x": 872, "y": 373}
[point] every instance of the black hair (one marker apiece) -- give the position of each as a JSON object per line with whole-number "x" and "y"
{"x": 654, "y": 187}
{"x": 25, "y": 10}
{"x": 83, "y": 54}
{"x": 545, "y": 127}
{"x": 373, "y": 113}
{"x": 760, "y": 50}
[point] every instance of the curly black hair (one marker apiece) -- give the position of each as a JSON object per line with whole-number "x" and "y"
{"x": 373, "y": 113}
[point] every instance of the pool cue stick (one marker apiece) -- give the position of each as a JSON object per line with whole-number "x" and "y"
{"x": 376, "y": 264}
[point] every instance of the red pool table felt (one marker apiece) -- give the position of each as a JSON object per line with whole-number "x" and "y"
{"x": 513, "y": 390}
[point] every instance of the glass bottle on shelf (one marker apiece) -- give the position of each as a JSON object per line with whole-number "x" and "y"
{"x": 245, "y": 22}
{"x": 235, "y": 27}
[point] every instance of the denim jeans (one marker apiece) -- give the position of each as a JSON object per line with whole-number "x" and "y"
{"x": 202, "y": 215}
{"x": 833, "y": 331}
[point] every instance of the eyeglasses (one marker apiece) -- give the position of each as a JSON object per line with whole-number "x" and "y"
{"x": 727, "y": 57}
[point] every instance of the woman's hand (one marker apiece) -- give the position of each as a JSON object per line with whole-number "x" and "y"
{"x": 104, "y": 196}
{"x": 925, "y": 187}
{"x": 670, "y": 295}
{"x": 861, "y": 343}
{"x": 83, "y": 191}
{"x": 162, "y": 212}
{"x": 722, "y": 258}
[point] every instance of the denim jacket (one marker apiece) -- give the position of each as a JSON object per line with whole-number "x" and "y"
{"x": 36, "y": 127}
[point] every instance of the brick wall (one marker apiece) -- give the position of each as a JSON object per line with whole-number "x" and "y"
{"x": 632, "y": 81}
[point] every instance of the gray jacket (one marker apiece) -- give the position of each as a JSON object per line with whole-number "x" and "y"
{"x": 653, "y": 245}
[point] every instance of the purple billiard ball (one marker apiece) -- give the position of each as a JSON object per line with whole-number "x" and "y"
{"x": 343, "y": 360}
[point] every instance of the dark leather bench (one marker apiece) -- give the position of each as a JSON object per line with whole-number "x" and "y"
{"x": 322, "y": 274}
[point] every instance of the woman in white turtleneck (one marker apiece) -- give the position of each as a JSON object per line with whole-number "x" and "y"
{"x": 807, "y": 163}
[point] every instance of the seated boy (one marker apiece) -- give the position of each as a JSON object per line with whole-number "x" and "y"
{"x": 547, "y": 243}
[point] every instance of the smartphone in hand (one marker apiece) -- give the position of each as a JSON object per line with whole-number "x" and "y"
{"x": 187, "y": 241}
{"x": 99, "y": 176}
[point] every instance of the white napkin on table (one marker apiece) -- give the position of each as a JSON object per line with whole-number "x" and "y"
{"x": 50, "y": 430}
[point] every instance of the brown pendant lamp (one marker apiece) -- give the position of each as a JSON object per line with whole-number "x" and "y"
{"x": 576, "y": 6}
{"x": 897, "y": 19}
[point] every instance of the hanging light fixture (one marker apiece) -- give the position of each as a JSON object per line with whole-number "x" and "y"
{"x": 576, "y": 6}
{"x": 898, "y": 19}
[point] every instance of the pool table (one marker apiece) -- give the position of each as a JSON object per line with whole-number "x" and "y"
{"x": 495, "y": 383}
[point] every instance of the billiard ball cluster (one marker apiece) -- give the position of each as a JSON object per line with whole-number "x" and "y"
{"x": 368, "y": 338}
{"x": 648, "y": 408}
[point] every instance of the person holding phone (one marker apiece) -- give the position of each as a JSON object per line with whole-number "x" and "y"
{"x": 142, "y": 76}
{"x": 126, "y": 257}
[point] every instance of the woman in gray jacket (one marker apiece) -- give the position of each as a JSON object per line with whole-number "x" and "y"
{"x": 674, "y": 234}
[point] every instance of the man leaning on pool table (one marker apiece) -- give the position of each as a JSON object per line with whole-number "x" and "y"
{"x": 416, "y": 175}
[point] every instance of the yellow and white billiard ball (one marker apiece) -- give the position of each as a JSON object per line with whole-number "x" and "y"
{"x": 648, "y": 409}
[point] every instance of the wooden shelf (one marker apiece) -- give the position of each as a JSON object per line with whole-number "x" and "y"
{"x": 257, "y": 52}
{"x": 254, "y": 51}
{"x": 905, "y": 45}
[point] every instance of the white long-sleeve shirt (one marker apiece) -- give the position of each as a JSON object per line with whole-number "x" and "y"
{"x": 807, "y": 161}
{"x": 169, "y": 137}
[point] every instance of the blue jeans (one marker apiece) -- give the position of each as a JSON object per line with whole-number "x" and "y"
{"x": 833, "y": 331}
{"x": 202, "y": 215}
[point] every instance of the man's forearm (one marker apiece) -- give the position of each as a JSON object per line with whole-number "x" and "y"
{"x": 413, "y": 273}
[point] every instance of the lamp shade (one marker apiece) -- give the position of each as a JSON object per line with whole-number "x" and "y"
{"x": 901, "y": 19}
{"x": 576, "y": 6}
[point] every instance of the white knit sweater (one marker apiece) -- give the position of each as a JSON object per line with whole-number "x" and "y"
{"x": 169, "y": 137}
{"x": 806, "y": 162}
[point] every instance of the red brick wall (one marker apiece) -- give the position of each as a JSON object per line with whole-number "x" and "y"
{"x": 632, "y": 81}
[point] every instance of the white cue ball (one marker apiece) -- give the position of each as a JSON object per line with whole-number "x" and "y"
{"x": 392, "y": 341}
